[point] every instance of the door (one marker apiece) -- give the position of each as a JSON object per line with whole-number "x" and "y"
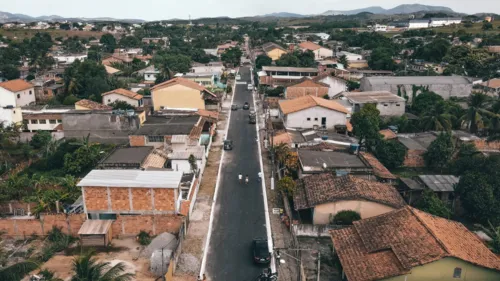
{"x": 323, "y": 122}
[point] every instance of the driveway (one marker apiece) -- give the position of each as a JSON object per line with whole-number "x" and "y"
{"x": 239, "y": 212}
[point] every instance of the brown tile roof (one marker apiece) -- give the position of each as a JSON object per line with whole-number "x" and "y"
{"x": 111, "y": 70}
{"x": 209, "y": 114}
{"x": 267, "y": 47}
{"x": 493, "y": 83}
{"x": 282, "y": 137}
{"x": 393, "y": 243}
{"x": 16, "y": 85}
{"x": 197, "y": 129}
{"x": 309, "y": 46}
{"x": 156, "y": 159}
{"x": 388, "y": 134}
{"x": 307, "y": 83}
{"x": 322, "y": 188}
{"x": 125, "y": 93}
{"x": 93, "y": 105}
{"x": 298, "y": 104}
{"x": 49, "y": 116}
{"x": 184, "y": 82}
{"x": 378, "y": 168}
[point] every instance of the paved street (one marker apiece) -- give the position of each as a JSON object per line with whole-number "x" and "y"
{"x": 239, "y": 213}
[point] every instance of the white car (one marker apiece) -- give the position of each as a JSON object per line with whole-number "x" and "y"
{"x": 250, "y": 87}
{"x": 238, "y": 77}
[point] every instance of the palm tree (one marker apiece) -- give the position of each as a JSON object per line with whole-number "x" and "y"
{"x": 473, "y": 118}
{"x": 87, "y": 268}
{"x": 437, "y": 119}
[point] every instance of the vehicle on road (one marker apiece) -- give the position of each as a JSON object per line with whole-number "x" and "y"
{"x": 250, "y": 87}
{"x": 260, "y": 251}
{"x": 252, "y": 113}
{"x": 234, "y": 107}
{"x": 246, "y": 106}
{"x": 228, "y": 145}
{"x": 238, "y": 77}
{"x": 252, "y": 119}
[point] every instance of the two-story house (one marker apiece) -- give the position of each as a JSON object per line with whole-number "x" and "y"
{"x": 13, "y": 95}
{"x": 124, "y": 95}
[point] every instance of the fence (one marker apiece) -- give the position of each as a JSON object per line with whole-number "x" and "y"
{"x": 309, "y": 230}
{"x": 21, "y": 227}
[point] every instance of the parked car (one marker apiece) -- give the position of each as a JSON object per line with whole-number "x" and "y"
{"x": 234, "y": 107}
{"x": 238, "y": 77}
{"x": 246, "y": 106}
{"x": 260, "y": 251}
{"x": 228, "y": 145}
{"x": 252, "y": 119}
{"x": 250, "y": 87}
{"x": 252, "y": 113}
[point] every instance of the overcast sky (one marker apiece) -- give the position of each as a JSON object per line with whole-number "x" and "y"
{"x": 167, "y": 9}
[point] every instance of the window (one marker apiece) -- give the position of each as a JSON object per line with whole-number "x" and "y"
{"x": 155, "y": 138}
{"x": 385, "y": 104}
{"x": 316, "y": 119}
{"x": 398, "y": 104}
{"x": 457, "y": 273}
{"x": 109, "y": 100}
{"x": 18, "y": 96}
{"x": 308, "y": 119}
{"x": 59, "y": 121}
{"x": 52, "y": 122}
{"x": 34, "y": 121}
{"x": 43, "y": 121}
{"x": 25, "y": 121}
{"x": 30, "y": 92}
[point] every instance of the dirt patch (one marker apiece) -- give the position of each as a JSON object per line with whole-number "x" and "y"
{"x": 188, "y": 264}
{"x": 21, "y": 34}
{"x": 209, "y": 180}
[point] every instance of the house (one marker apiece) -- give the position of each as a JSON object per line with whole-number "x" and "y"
{"x": 214, "y": 68}
{"x": 442, "y": 185}
{"x": 280, "y": 76}
{"x": 416, "y": 146}
{"x": 351, "y": 57}
{"x": 324, "y": 195}
{"x": 387, "y": 103}
{"x": 340, "y": 161}
{"x": 445, "y": 86}
{"x": 16, "y": 93}
{"x": 47, "y": 88}
{"x": 380, "y": 28}
{"x": 96, "y": 233}
{"x": 305, "y": 87}
{"x": 179, "y": 160}
{"x": 108, "y": 193}
{"x": 210, "y": 52}
{"x": 131, "y": 98}
{"x": 437, "y": 22}
{"x": 418, "y": 24}
{"x": 492, "y": 85}
{"x": 111, "y": 70}
{"x": 67, "y": 59}
{"x": 205, "y": 79}
{"x": 130, "y": 158}
{"x": 336, "y": 85}
{"x": 273, "y": 50}
{"x": 408, "y": 244}
{"x": 10, "y": 115}
{"x": 181, "y": 93}
{"x": 320, "y": 52}
{"x": 388, "y": 134}
{"x": 379, "y": 170}
{"x": 226, "y": 46}
{"x": 493, "y": 49}
{"x": 156, "y": 40}
{"x": 44, "y": 118}
{"x": 91, "y": 105}
{"x": 312, "y": 112}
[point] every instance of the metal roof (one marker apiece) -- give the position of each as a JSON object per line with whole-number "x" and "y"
{"x": 440, "y": 183}
{"x": 132, "y": 178}
{"x": 130, "y": 155}
{"x": 372, "y": 97}
{"x": 94, "y": 227}
{"x": 198, "y": 153}
{"x": 417, "y": 80}
{"x": 290, "y": 69}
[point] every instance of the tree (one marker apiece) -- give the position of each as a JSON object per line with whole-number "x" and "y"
{"x": 365, "y": 125}
{"x": 424, "y": 101}
{"x": 109, "y": 42}
{"x": 192, "y": 163}
{"x": 390, "y": 153}
{"x": 343, "y": 60}
{"x": 87, "y": 268}
{"x": 232, "y": 56}
{"x": 82, "y": 160}
{"x": 487, "y": 26}
{"x": 287, "y": 185}
{"x": 119, "y": 104}
{"x": 262, "y": 60}
{"x": 346, "y": 217}
{"x": 41, "y": 139}
{"x": 9, "y": 72}
{"x": 70, "y": 100}
{"x": 64, "y": 26}
{"x": 436, "y": 118}
{"x": 289, "y": 60}
{"x": 352, "y": 85}
{"x": 439, "y": 152}
{"x": 381, "y": 59}
{"x": 473, "y": 119}
{"x": 435, "y": 51}
{"x": 430, "y": 203}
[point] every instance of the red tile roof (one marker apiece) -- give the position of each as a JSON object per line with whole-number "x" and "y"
{"x": 125, "y": 93}
{"x": 93, "y": 105}
{"x": 393, "y": 243}
{"x": 388, "y": 134}
{"x": 16, "y": 85}
{"x": 309, "y": 46}
{"x": 378, "y": 168}
{"x": 323, "y": 188}
{"x": 184, "y": 82}
{"x": 298, "y": 104}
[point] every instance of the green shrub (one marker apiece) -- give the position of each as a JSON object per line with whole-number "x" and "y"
{"x": 144, "y": 238}
{"x": 346, "y": 217}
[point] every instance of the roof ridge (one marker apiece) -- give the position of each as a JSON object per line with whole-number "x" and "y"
{"x": 412, "y": 211}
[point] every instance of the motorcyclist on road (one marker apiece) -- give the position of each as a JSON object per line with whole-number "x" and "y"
{"x": 240, "y": 177}
{"x": 246, "y": 179}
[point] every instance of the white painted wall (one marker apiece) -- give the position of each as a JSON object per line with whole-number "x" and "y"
{"x": 337, "y": 85}
{"x": 10, "y": 115}
{"x": 7, "y": 98}
{"x": 366, "y": 209}
{"x": 21, "y": 98}
{"x": 300, "y": 119}
{"x": 322, "y": 53}
{"x": 150, "y": 76}
{"x": 36, "y": 125}
{"x": 107, "y": 99}
{"x": 183, "y": 165}
{"x": 70, "y": 59}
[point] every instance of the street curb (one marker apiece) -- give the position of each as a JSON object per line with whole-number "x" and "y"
{"x": 209, "y": 235}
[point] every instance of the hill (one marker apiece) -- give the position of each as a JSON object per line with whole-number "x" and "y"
{"x": 401, "y": 9}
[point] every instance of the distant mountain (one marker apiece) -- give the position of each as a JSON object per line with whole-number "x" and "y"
{"x": 401, "y": 9}
{"x": 9, "y": 17}
{"x": 283, "y": 15}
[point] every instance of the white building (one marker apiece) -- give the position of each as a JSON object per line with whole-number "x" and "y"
{"x": 132, "y": 98}
{"x": 16, "y": 93}
{"x": 323, "y": 36}
{"x": 44, "y": 118}
{"x": 180, "y": 158}
{"x": 320, "y": 52}
{"x": 380, "y": 28}
{"x": 436, "y": 22}
{"x": 10, "y": 115}
{"x": 70, "y": 58}
{"x": 150, "y": 74}
{"x": 337, "y": 85}
{"x": 387, "y": 103}
{"x": 417, "y": 24}
{"x": 310, "y": 112}
{"x": 349, "y": 56}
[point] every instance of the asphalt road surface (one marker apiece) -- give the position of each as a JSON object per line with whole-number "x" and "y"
{"x": 239, "y": 213}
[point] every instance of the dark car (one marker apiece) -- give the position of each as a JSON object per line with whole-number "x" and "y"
{"x": 228, "y": 145}
{"x": 252, "y": 119}
{"x": 260, "y": 251}
{"x": 246, "y": 106}
{"x": 234, "y": 107}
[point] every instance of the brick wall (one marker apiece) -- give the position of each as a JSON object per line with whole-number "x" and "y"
{"x": 296, "y": 92}
{"x": 164, "y": 199}
{"x": 96, "y": 198}
{"x": 119, "y": 199}
{"x": 141, "y": 199}
{"x": 414, "y": 159}
{"x": 484, "y": 145}
{"x": 21, "y": 228}
{"x": 154, "y": 224}
{"x": 5, "y": 208}
{"x": 137, "y": 140}
{"x": 184, "y": 209}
